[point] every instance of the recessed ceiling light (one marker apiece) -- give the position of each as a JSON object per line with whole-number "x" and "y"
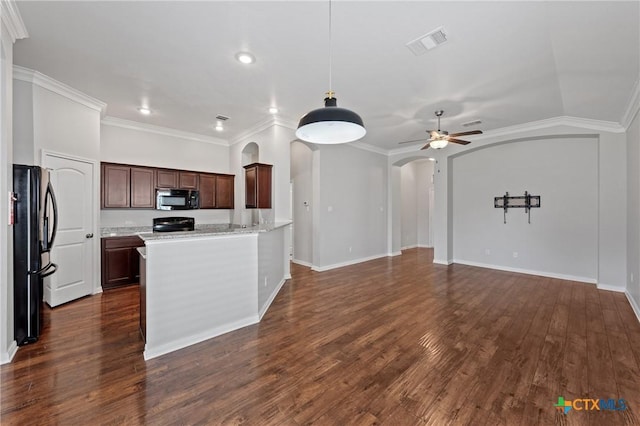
{"x": 144, "y": 110}
{"x": 273, "y": 110}
{"x": 219, "y": 127}
{"x": 245, "y": 57}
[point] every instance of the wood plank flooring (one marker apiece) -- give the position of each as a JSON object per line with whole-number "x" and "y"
{"x": 394, "y": 341}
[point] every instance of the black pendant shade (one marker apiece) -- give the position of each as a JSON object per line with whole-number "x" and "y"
{"x": 330, "y": 125}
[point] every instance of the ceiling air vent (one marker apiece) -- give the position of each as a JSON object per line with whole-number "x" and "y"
{"x": 428, "y": 41}
{"x": 221, "y": 117}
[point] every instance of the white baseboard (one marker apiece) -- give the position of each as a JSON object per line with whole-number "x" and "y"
{"x": 302, "y": 263}
{"x": 634, "y": 305}
{"x": 347, "y": 263}
{"x": 272, "y": 296}
{"x": 527, "y": 271}
{"x": 610, "y": 287}
{"x": 197, "y": 338}
{"x": 7, "y": 356}
{"x": 409, "y": 247}
{"x": 442, "y": 262}
{"x": 424, "y": 246}
{"x": 394, "y": 253}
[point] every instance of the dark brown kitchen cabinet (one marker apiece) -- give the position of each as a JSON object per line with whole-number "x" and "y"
{"x": 188, "y": 180}
{"x": 166, "y": 178}
{"x": 116, "y": 186}
{"x": 207, "y": 191}
{"x": 224, "y": 191}
{"x": 142, "y": 188}
{"x": 216, "y": 191}
{"x": 258, "y": 186}
{"x": 127, "y": 186}
{"x": 119, "y": 259}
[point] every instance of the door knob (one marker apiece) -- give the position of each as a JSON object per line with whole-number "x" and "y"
{"x": 89, "y": 235}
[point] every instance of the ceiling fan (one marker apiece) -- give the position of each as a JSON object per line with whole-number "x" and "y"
{"x": 441, "y": 138}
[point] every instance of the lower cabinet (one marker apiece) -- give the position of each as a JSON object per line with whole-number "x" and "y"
{"x": 120, "y": 261}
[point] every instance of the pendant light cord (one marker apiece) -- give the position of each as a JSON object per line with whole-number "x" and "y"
{"x": 330, "y": 94}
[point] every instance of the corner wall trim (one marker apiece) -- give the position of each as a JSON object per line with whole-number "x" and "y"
{"x": 394, "y": 253}
{"x": 272, "y": 296}
{"x": 634, "y": 305}
{"x": 302, "y": 263}
{"x": 442, "y": 262}
{"x": 347, "y": 263}
{"x": 609, "y": 287}
{"x": 528, "y": 271}
{"x": 11, "y": 352}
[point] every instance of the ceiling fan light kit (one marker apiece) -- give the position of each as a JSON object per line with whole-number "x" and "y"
{"x": 330, "y": 124}
{"x": 438, "y": 144}
{"x": 438, "y": 139}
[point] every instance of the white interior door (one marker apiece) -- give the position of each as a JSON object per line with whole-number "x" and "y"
{"x": 73, "y": 250}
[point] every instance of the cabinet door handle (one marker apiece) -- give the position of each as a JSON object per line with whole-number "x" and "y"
{"x": 89, "y": 235}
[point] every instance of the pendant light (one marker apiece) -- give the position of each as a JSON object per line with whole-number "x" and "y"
{"x": 331, "y": 124}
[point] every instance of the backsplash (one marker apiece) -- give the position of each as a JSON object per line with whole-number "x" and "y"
{"x": 114, "y": 218}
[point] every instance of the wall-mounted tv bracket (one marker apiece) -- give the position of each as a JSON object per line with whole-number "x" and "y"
{"x": 507, "y": 202}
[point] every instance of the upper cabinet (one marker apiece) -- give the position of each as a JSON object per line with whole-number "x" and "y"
{"x": 258, "y": 186}
{"x": 142, "y": 190}
{"x": 216, "y": 191}
{"x": 207, "y": 191}
{"x": 127, "y": 187}
{"x": 124, "y": 186}
{"x": 166, "y": 178}
{"x": 188, "y": 180}
{"x": 116, "y": 186}
{"x": 224, "y": 191}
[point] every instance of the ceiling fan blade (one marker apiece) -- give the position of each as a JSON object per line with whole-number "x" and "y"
{"x": 470, "y": 132}
{"x": 459, "y": 141}
{"x": 426, "y": 146}
{"x": 413, "y": 140}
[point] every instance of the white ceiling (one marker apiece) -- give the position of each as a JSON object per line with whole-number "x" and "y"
{"x": 506, "y": 63}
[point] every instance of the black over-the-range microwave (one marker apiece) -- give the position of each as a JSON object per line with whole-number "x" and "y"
{"x": 177, "y": 199}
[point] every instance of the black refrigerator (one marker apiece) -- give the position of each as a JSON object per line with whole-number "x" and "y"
{"x": 35, "y": 221}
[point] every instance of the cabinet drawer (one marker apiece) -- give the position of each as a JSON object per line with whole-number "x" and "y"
{"x": 118, "y": 242}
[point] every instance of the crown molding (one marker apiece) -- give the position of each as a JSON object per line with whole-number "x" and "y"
{"x": 633, "y": 107}
{"x": 584, "y": 123}
{"x": 256, "y": 128}
{"x": 46, "y": 82}
{"x": 274, "y": 120}
{"x": 12, "y": 20}
{"x": 368, "y": 147}
{"x": 404, "y": 150}
{"x": 159, "y": 130}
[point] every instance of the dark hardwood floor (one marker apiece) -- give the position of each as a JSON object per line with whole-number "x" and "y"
{"x": 394, "y": 341}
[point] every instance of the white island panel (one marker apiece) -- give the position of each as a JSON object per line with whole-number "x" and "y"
{"x": 199, "y": 288}
{"x": 271, "y": 267}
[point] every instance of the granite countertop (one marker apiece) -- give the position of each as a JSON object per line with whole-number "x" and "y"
{"x": 147, "y": 234}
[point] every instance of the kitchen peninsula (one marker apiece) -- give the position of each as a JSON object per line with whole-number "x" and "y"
{"x": 200, "y": 284}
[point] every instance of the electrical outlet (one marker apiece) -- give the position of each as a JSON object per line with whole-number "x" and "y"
{"x": 515, "y": 254}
